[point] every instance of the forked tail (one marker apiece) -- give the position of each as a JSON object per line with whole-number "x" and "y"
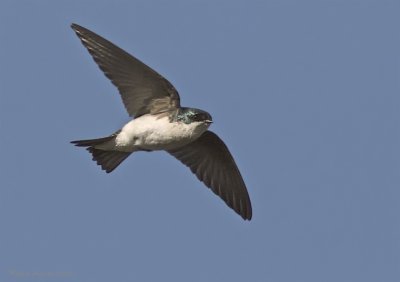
{"x": 108, "y": 160}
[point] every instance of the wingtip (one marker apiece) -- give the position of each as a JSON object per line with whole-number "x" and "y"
{"x": 246, "y": 212}
{"x": 249, "y": 212}
{"x": 247, "y": 216}
{"x": 77, "y": 28}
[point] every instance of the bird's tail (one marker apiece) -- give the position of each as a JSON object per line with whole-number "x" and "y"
{"x": 107, "y": 159}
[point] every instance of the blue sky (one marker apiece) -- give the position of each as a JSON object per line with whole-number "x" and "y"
{"x": 304, "y": 93}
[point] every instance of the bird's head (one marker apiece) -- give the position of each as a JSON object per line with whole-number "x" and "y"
{"x": 190, "y": 115}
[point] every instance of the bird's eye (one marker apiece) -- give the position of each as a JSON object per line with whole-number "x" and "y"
{"x": 199, "y": 117}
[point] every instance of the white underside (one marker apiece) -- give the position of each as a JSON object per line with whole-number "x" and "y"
{"x": 151, "y": 133}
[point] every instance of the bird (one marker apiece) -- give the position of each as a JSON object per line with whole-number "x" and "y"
{"x": 159, "y": 122}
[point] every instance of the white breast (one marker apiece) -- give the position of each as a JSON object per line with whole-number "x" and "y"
{"x": 151, "y": 133}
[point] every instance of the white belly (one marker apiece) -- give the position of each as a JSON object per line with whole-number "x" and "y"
{"x": 149, "y": 133}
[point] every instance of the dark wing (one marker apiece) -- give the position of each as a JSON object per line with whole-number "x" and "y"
{"x": 209, "y": 158}
{"x": 142, "y": 89}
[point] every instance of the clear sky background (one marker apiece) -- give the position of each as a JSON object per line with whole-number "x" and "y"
{"x": 306, "y": 94}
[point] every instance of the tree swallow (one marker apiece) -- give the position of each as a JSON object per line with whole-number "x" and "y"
{"x": 160, "y": 123}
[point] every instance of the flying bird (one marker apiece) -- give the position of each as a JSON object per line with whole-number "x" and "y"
{"x": 160, "y": 123}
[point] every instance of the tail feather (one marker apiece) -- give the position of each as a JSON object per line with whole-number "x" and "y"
{"x": 108, "y": 160}
{"x": 93, "y": 142}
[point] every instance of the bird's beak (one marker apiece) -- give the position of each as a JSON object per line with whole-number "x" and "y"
{"x": 208, "y": 121}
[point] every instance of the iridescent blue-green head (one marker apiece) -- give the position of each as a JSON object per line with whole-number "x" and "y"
{"x": 189, "y": 115}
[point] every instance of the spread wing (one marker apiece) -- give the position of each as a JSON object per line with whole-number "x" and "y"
{"x": 209, "y": 158}
{"x": 142, "y": 89}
